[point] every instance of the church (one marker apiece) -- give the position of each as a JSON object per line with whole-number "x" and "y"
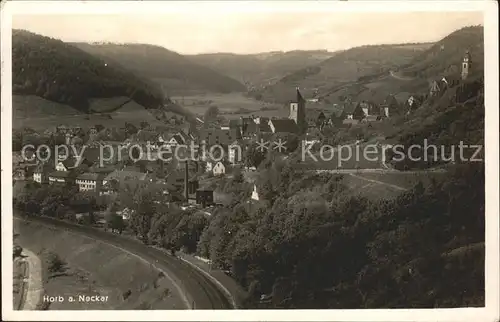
{"x": 298, "y": 112}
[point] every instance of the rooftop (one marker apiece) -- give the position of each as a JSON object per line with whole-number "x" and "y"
{"x": 60, "y": 174}
{"x": 91, "y": 176}
{"x": 284, "y": 126}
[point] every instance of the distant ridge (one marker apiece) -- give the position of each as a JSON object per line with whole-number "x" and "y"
{"x": 170, "y": 69}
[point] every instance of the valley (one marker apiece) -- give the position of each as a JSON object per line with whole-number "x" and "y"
{"x": 390, "y": 225}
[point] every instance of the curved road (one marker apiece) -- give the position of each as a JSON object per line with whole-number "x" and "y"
{"x": 201, "y": 292}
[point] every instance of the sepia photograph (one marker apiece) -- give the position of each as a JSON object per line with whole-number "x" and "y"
{"x": 250, "y": 161}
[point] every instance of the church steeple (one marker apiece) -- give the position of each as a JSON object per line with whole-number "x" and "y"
{"x": 298, "y": 112}
{"x": 466, "y": 65}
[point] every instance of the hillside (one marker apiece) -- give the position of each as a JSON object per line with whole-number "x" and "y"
{"x": 343, "y": 68}
{"x": 174, "y": 72}
{"x": 445, "y": 56}
{"x": 256, "y": 70}
{"x": 60, "y": 72}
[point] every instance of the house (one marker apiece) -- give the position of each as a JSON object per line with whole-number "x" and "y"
{"x": 220, "y": 168}
{"x": 315, "y": 118}
{"x": 350, "y": 122}
{"x": 336, "y": 117}
{"x": 368, "y": 108}
{"x": 250, "y": 130}
{"x": 19, "y": 174}
{"x": 205, "y": 197}
{"x": 211, "y": 137}
{"x": 90, "y": 181}
{"x": 180, "y": 138}
{"x": 41, "y": 173}
{"x": 209, "y": 166}
{"x": 68, "y": 164}
{"x": 384, "y": 110}
{"x": 435, "y": 89}
{"x": 261, "y": 120}
{"x": 62, "y": 129}
{"x": 120, "y": 179}
{"x": 353, "y": 111}
{"x": 61, "y": 177}
{"x": 264, "y": 128}
{"x": 283, "y": 126}
{"x": 255, "y": 193}
{"x": 371, "y": 118}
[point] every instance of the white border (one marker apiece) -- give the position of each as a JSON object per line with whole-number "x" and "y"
{"x": 490, "y": 9}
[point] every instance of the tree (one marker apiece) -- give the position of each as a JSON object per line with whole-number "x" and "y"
{"x": 253, "y": 156}
{"x": 115, "y": 222}
{"x": 144, "y": 125}
{"x": 211, "y": 114}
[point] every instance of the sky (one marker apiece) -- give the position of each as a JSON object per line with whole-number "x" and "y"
{"x": 245, "y": 33}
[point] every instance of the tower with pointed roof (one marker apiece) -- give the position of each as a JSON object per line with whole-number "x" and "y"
{"x": 466, "y": 65}
{"x": 298, "y": 112}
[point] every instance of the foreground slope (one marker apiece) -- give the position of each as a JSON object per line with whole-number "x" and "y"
{"x": 62, "y": 73}
{"x": 175, "y": 72}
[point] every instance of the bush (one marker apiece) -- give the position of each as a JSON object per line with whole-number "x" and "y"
{"x": 54, "y": 263}
{"x": 18, "y": 250}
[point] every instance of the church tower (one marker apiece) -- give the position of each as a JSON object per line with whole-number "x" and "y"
{"x": 298, "y": 112}
{"x": 466, "y": 65}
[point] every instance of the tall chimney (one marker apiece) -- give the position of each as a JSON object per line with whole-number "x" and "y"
{"x": 186, "y": 179}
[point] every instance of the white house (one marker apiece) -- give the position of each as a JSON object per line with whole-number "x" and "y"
{"x": 255, "y": 193}
{"x": 90, "y": 182}
{"x": 60, "y": 177}
{"x": 209, "y": 166}
{"x": 67, "y": 164}
{"x": 41, "y": 173}
{"x": 219, "y": 168}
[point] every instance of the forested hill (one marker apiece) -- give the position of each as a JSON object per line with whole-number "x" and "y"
{"x": 63, "y": 73}
{"x": 445, "y": 56}
{"x": 173, "y": 71}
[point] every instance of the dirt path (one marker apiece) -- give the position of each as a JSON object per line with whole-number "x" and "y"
{"x": 33, "y": 283}
{"x": 400, "y": 77}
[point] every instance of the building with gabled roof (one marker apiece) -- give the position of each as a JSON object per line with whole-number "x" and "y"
{"x": 62, "y": 177}
{"x": 315, "y": 118}
{"x": 211, "y": 137}
{"x": 41, "y": 172}
{"x": 90, "y": 181}
{"x": 284, "y": 126}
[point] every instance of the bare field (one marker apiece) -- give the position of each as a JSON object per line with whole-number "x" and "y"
{"x": 227, "y": 103}
{"x": 96, "y": 268}
{"x": 402, "y": 179}
{"x": 368, "y": 189}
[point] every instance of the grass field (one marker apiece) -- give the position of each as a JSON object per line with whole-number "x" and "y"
{"x": 402, "y": 179}
{"x": 370, "y": 190}
{"x": 40, "y": 114}
{"x": 95, "y": 268}
{"x": 229, "y": 103}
